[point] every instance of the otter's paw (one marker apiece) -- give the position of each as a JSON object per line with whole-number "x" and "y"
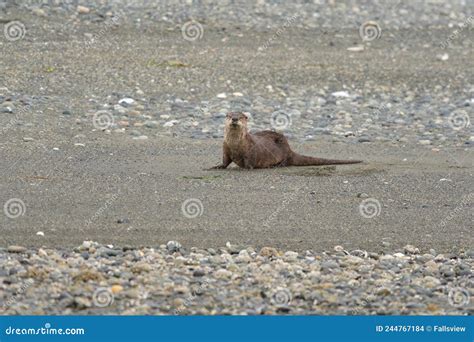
{"x": 217, "y": 167}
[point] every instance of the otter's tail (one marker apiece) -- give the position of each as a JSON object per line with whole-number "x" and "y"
{"x": 299, "y": 160}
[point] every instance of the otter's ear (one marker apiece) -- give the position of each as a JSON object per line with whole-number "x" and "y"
{"x": 246, "y": 115}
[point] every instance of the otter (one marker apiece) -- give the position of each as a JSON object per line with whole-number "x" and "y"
{"x": 265, "y": 149}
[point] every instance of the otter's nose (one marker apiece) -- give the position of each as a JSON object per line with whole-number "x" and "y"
{"x": 235, "y": 120}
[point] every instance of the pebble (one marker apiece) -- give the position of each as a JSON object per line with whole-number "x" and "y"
{"x": 199, "y": 273}
{"x": 39, "y": 12}
{"x": 106, "y": 252}
{"x": 359, "y": 48}
{"x": 443, "y": 57}
{"x": 173, "y": 246}
{"x": 82, "y": 303}
{"x": 83, "y": 9}
{"x": 340, "y": 94}
{"x": 140, "y": 137}
{"x": 268, "y": 252}
{"x": 329, "y": 264}
{"x": 290, "y": 256}
{"x": 16, "y": 249}
{"x": 222, "y": 274}
{"x": 126, "y": 102}
{"x": 170, "y": 123}
{"x": 116, "y": 289}
{"x": 409, "y": 249}
{"x": 151, "y": 124}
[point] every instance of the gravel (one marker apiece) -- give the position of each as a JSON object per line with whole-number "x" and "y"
{"x": 304, "y": 83}
{"x": 125, "y": 70}
{"x": 97, "y": 279}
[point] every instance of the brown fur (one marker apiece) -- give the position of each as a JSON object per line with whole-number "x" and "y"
{"x": 263, "y": 149}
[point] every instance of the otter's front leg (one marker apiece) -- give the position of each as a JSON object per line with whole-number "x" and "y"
{"x": 225, "y": 160}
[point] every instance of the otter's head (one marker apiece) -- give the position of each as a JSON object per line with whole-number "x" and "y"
{"x": 236, "y": 121}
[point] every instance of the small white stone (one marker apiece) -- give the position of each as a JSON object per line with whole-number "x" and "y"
{"x": 443, "y": 57}
{"x": 340, "y": 94}
{"x": 221, "y": 96}
{"x": 355, "y": 48}
{"x": 80, "y": 144}
{"x": 425, "y": 142}
{"x": 290, "y": 256}
{"x": 238, "y": 94}
{"x": 170, "y": 123}
{"x": 410, "y": 249}
{"x": 127, "y": 101}
{"x": 83, "y": 9}
{"x": 39, "y": 12}
{"x": 164, "y": 116}
{"x": 40, "y": 233}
